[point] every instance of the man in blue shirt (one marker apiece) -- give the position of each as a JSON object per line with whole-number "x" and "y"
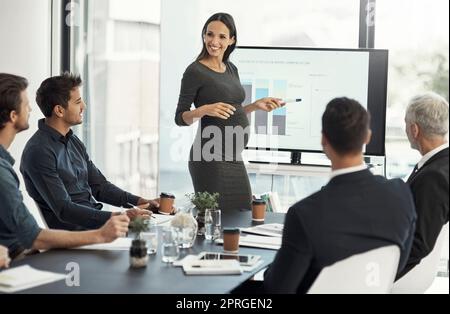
{"x": 57, "y": 170}
{"x": 18, "y": 229}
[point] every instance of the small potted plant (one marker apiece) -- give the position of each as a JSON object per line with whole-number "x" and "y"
{"x": 203, "y": 201}
{"x": 138, "y": 249}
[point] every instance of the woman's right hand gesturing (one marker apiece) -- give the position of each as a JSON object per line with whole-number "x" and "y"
{"x": 220, "y": 110}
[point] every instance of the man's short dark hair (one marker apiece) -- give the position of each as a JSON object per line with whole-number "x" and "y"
{"x": 345, "y": 124}
{"x": 11, "y": 86}
{"x": 56, "y": 91}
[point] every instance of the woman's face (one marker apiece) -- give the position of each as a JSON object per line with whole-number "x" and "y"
{"x": 217, "y": 39}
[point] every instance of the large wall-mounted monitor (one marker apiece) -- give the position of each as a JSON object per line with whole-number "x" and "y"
{"x": 314, "y": 75}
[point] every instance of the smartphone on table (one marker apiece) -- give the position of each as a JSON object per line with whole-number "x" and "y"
{"x": 243, "y": 259}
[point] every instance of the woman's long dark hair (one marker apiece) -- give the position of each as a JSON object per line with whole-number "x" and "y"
{"x": 228, "y": 20}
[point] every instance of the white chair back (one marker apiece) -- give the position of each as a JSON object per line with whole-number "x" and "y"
{"x": 420, "y": 278}
{"x": 40, "y": 217}
{"x": 372, "y": 272}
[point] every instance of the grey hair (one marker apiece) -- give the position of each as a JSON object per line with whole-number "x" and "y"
{"x": 430, "y": 112}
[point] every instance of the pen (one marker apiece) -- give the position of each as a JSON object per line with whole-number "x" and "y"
{"x": 133, "y": 206}
{"x": 207, "y": 266}
{"x": 287, "y": 101}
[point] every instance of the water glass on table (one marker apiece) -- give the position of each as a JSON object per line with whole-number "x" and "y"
{"x": 213, "y": 224}
{"x": 170, "y": 249}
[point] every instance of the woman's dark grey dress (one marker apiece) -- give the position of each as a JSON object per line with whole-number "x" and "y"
{"x": 215, "y": 161}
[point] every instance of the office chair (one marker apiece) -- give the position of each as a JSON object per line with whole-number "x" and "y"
{"x": 40, "y": 219}
{"x": 372, "y": 272}
{"x": 420, "y": 278}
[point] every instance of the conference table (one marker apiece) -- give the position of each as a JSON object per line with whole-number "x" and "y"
{"x": 109, "y": 271}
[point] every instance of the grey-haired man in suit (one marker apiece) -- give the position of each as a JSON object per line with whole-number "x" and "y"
{"x": 427, "y": 129}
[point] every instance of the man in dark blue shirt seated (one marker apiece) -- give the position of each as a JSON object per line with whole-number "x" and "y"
{"x": 354, "y": 213}
{"x": 57, "y": 170}
{"x": 18, "y": 229}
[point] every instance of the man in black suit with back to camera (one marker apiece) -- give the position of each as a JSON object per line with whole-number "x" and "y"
{"x": 354, "y": 213}
{"x": 427, "y": 126}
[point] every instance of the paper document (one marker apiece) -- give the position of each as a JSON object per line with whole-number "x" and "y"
{"x": 162, "y": 219}
{"x": 272, "y": 230}
{"x": 212, "y": 267}
{"x": 120, "y": 244}
{"x": 272, "y": 243}
{"x": 25, "y": 277}
{"x": 253, "y": 267}
{"x": 186, "y": 259}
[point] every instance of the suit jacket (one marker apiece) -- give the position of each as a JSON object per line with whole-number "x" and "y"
{"x": 352, "y": 214}
{"x": 429, "y": 186}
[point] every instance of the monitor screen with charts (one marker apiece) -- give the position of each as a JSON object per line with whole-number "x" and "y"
{"x": 309, "y": 78}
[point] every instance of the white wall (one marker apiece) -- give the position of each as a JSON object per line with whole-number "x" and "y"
{"x": 25, "y": 50}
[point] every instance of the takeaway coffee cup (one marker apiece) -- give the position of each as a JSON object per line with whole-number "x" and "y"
{"x": 231, "y": 240}
{"x": 258, "y": 210}
{"x": 166, "y": 201}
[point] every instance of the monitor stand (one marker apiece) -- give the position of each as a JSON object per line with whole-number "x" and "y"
{"x": 296, "y": 158}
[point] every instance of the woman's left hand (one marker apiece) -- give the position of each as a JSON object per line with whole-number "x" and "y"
{"x": 269, "y": 103}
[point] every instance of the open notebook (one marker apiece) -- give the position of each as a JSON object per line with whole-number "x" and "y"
{"x": 271, "y": 230}
{"x": 272, "y": 243}
{"x": 26, "y": 277}
{"x": 120, "y": 244}
{"x": 162, "y": 219}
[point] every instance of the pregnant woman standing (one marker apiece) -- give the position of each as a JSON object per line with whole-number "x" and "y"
{"x": 212, "y": 84}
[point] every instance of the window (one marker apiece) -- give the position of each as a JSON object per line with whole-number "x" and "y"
{"x": 416, "y": 34}
{"x": 292, "y": 23}
{"x": 118, "y": 56}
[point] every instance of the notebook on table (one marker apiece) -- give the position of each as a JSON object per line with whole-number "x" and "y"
{"x": 271, "y": 230}
{"x": 263, "y": 242}
{"x": 26, "y": 277}
{"x": 120, "y": 244}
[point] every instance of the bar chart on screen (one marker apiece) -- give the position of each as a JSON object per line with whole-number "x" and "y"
{"x": 275, "y": 122}
{"x": 298, "y": 115}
